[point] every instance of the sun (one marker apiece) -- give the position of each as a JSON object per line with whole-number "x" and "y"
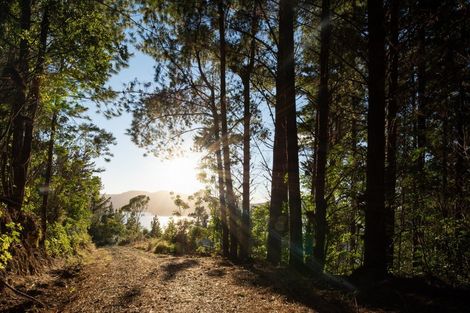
{"x": 180, "y": 174}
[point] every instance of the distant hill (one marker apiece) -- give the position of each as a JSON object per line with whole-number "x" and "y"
{"x": 161, "y": 202}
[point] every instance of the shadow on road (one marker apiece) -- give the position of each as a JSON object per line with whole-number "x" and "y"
{"x": 129, "y": 295}
{"x": 172, "y": 268}
{"x": 294, "y": 287}
{"x": 216, "y": 272}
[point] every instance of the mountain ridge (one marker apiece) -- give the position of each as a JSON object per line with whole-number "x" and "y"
{"x": 161, "y": 202}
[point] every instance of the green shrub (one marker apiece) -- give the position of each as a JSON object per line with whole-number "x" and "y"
{"x": 107, "y": 229}
{"x": 151, "y": 243}
{"x": 6, "y": 240}
{"x": 57, "y": 241}
{"x": 68, "y": 238}
{"x": 164, "y": 247}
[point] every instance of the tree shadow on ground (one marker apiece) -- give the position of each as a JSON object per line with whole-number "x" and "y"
{"x": 174, "y": 267}
{"x": 67, "y": 273}
{"x": 415, "y": 295}
{"x": 295, "y": 287}
{"x": 325, "y": 293}
{"x": 129, "y": 295}
{"x": 216, "y": 272}
{"x": 39, "y": 289}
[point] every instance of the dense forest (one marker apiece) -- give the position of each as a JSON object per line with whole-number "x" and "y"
{"x": 355, "y": 114}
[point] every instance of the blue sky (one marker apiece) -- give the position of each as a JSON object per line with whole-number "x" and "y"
{"x": 129, "y": 169}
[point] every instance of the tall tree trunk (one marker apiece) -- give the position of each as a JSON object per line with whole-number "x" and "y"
{"x": 232, "y": 209}
{"x": 219, "y": 163}
{"x": 375, "y": 260}
{"x": 21, "y": 123}
{"x": 277, "y": 224}
{"x": 445, "y": 161}
{"x": 391, "y": 169}
{"x": 286, "y": 74}
{"x": 421, "y": 145}
{"x": 245, "y": 245}
{"x": 310, "y": 231}
{"x": 246, "y": 224}
{"x": 354, "y": 194}
{"x": 220, "y": 178}
{"x": 323, "y": 110}
{"x": 461, "y": 205}
{"x": 36, "y": 90}
{"x": 47, "y": 182}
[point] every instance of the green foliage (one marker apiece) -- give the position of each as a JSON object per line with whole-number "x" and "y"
{"x": 187, "y": 237}
{"x": 58, "y": 242}
{"x": 181, "y": 205}
{"x": 70, "y": 49}
{"x": 259, "y": 220}
{"x": 133, "y": 230}
{"x": 170, "y": 230}
{"x": 108, "y": 228}
{"x": 68, "y": 238}
{"x": 132, "y": 214}
{"x": 155, "y": 228}
{"x": 7, "y": 238}
{"x": 180, "y": 237}
{"x": 164, "y": 247}
{"x": 137, "y": 204}
{"x": 449, "y": 242}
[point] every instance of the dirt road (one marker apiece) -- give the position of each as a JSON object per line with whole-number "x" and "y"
{"x": 122, "y": 279}
{"x": 125, "y": 279}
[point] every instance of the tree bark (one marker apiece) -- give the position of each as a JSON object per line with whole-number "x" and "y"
{"x": 220, "y": 178}
{"x": 36, "y": 90}
{"x": 47, "y": 182}
{"x": 375, "y": 261}
{"x": 277, "y": 225}
{"x": 354, "y": 194}
{"x": 232, "y": 209}
{"x": 21, "y": 123}
{"x": 220, "y": 167}
{"x": 391, "y": 169}
{"x": 461, "y": 205}
{"x": 323, "y": 110}
{"x": 421, "y": 146}
{"x": 245, "y": 244}
{"x": 286, "y": 73}
{"x": 246, "y": 225}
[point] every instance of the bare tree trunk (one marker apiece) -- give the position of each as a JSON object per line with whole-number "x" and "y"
{"x": 277, "y": 225}
{"x": 21, "y": 124}
{"x": 47, "y": 181}
{"x": 421, "y": 145}
{"x": 445, "y": 161}
{"x": 375, "y": 261}
{"x": 324, "y": 108}
{"x": 391, "y": 169}
{"x": 354, "y": 201}
{"x": 231, "y": 203}
{"x": 36, "y": 94}
{"x": 220, "y": 179}
{"x": 245, "y": 245}
{"x": 220, "y": 167}
{"x": 461, "y": 204}
{"x": 286, "y": 72}
{"x": 246, "y": 224}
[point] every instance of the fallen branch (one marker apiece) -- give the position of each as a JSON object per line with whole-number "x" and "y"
{"x": 18, "y": 292}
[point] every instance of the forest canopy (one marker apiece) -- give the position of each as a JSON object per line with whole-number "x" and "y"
{"x": 354, "y": 114}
